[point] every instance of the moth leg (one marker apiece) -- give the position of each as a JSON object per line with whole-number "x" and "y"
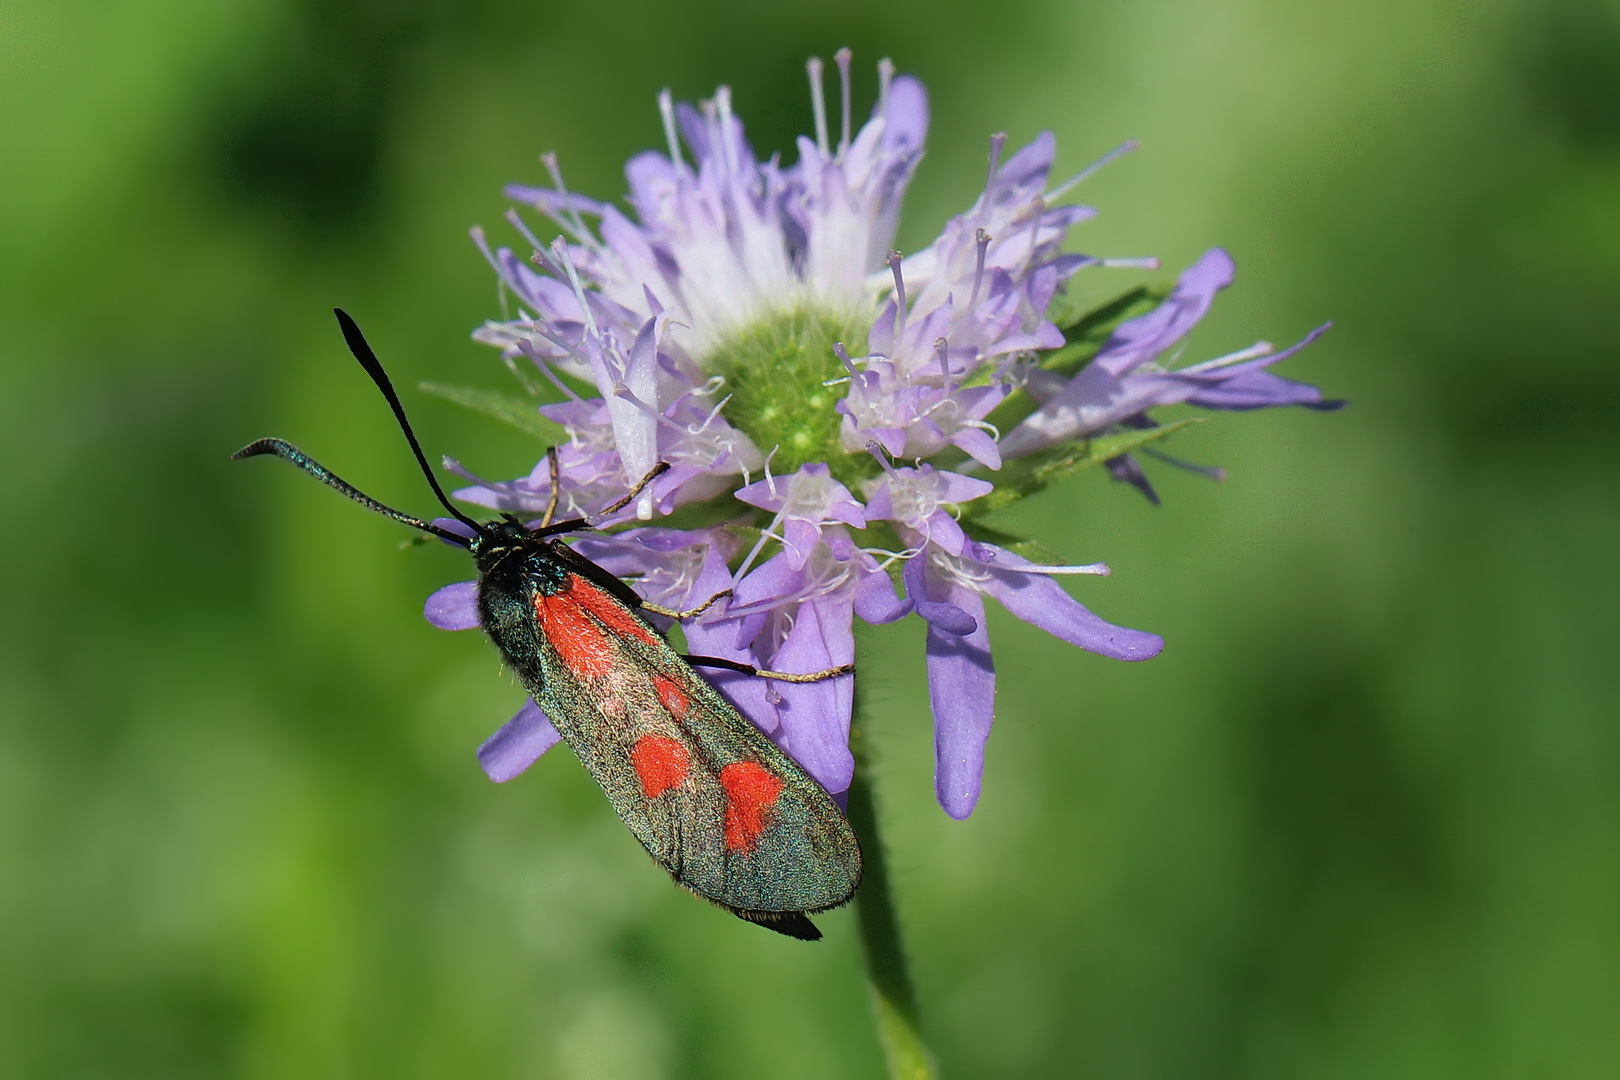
{"x": 556, "y": 487}
{"x": 671, "y": 613}
{"x": 580, "y": 524}
{"x": 652, "y": 474}
{"x": 780, "y": 676}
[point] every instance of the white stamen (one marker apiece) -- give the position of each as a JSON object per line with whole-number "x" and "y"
{"x": 714, "y": 414}
{"x": 1253, "y": 352}
{"x": 966, "y": 574}
{"x": 666, "y": 109}
{"x": 946, "y": 405}
{"x": 722, "y": 101}
{"x": 985, "y": 426}
{"x": 842, "y": 58}
{"x": 1097, "y": 569}
{"x": 818, "y": 104}
{"x": 1067, "y": 185}
{"x": 892, "y": 557}
{"x": 767, "y": 533}
{"x": 997, "y": 142}
{"x": 770, "y": 481}
{"x": 885, "y": 77}
{"x": 559, "y": 251}
{"x": 1145, "y": 263}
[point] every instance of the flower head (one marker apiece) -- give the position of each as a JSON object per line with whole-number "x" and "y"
{"x": 828, "y": 402}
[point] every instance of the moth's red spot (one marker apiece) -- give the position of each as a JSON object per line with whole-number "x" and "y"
{"x": 608, "y": 609}
{"x": 751, "y": 789}
{"x": 581, "y": 644}
{"x": 660, "y": 763}
{"x": 671, "y": 696}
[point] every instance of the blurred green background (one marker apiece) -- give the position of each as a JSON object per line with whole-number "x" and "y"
{"x": 1359, "y": 820}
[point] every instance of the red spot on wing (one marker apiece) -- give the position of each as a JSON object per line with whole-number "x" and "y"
{"x": 608, "y": 609}
{"x": 751, "y": 789}
{"x": 660, "y": 763}
{"x": 671, "y": 696}
{"x": 581, "y": 644}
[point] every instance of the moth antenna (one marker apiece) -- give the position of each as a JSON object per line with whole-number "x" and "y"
{"x": 295, "y": 457}
{"x": 368, "y": 360}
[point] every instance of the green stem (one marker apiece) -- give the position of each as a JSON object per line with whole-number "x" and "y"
{"x": 894, "y": 999}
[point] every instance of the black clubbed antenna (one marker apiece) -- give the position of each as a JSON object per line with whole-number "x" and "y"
{"x": 295, "y": 457}
{"x": 368, "y": 360}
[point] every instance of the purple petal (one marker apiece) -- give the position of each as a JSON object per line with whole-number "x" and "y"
{"x": 765, "y": 494}
{"x": 518, "y": 744}
{"x": 942, "y": 529}
{"x": 772, "y": 580}
{"x": 875, "y": 599}
{"x": 460, "y": 528}
{"x": 1258, "y": 390}
{"x": 1127, "y": 470}
{"x": 815, "y": 716}
{"x": 945, "y": 616}
{"x": 906, "y": 121}
{"x": 961, "y": 489}
{"x": 454, "y": 607}
{"x": 1027, "y": 168}
{"x": 979, "y": 446}
{"x": 799, "y": 540}
{"x": 1040, "y": 601}
{"x": 962, "y": 690}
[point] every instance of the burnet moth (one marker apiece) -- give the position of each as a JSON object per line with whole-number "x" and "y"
{"x": 715, "y": 802}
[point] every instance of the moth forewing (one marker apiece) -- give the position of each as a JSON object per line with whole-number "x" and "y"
{"x": 717, "y": 804}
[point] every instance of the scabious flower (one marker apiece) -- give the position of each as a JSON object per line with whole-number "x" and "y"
{"x": 825, "y": 406}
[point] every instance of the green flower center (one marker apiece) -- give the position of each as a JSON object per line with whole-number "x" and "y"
{"x": 776, "y": 372}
